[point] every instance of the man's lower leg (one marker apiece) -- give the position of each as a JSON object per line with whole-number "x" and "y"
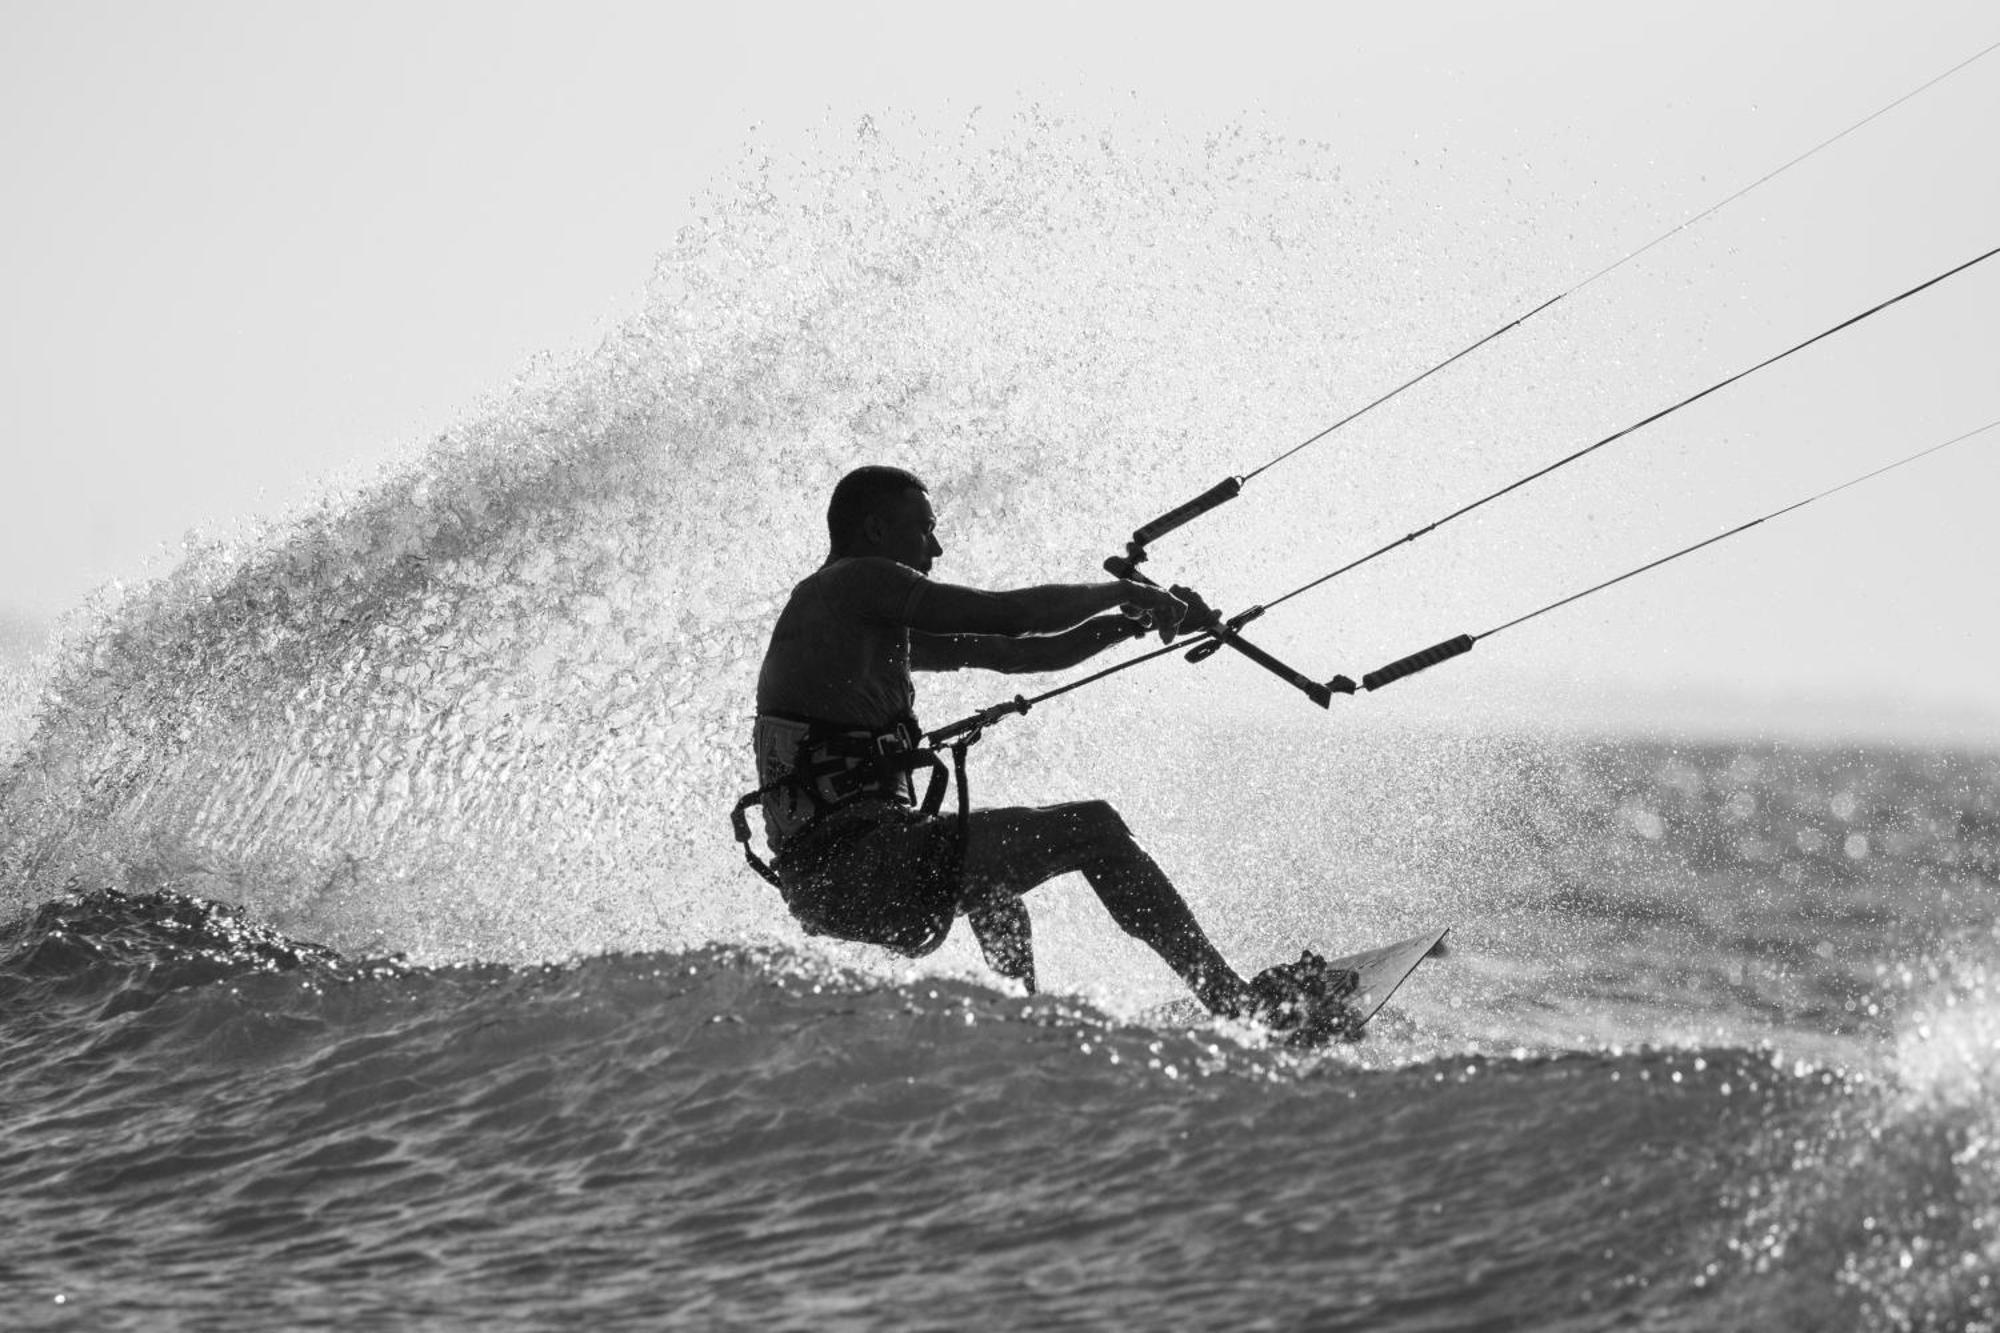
{"x": 1146, "y": 906}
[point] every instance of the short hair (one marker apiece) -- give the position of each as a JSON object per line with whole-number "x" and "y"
{"x": 861, "y": 493}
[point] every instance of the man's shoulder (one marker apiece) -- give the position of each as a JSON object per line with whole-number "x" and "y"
{"x": 865, "y": 569}
{"x": 873, "y": 587}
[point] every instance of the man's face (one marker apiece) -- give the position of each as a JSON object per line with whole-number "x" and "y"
{"x": 908, "y": 531}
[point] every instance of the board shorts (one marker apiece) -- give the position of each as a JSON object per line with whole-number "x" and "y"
{"x": 875, "y": 872}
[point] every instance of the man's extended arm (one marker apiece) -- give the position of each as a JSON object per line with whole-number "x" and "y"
{"x": 1030, "y": 651}
{"x": 1033, "y": 652}
{"x": 946, "y": 608}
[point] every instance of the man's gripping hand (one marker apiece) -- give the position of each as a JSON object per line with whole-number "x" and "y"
{"x": 1200, "y": 615}
{"x": 1156, "y": 608}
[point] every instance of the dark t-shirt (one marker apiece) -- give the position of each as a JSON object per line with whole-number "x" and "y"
{"x": 840, "y": 653}
{"x": 841, "y": 649}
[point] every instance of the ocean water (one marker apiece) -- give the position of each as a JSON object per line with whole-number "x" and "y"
{"x": 1723, "y": 1057}
{"x": 373, "y": 952}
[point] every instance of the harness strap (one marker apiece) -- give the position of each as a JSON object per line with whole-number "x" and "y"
{"x": 739, "y": 821}
{"x": 955, "y": 861}
{"x": 875, "y": 766}
{"x": 882, "y": 765}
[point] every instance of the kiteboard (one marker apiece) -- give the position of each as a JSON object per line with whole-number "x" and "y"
{"x": 1381, "y": 972}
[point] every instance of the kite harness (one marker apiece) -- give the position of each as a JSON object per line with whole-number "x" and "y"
{"x": 832, "y": 764}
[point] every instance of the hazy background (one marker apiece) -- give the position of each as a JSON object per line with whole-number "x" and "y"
{"x": 251, "y": 251}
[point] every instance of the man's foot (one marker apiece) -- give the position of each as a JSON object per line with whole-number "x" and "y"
{"x": 1001, "y": 926}
{"x": 1306, "y": 993}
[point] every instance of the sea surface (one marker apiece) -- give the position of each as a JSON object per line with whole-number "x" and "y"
{"x": 374, "y": 954}
{"x": 1728, "y": 1061}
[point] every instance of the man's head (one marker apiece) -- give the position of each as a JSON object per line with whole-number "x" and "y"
{"x": 883, "y": 511}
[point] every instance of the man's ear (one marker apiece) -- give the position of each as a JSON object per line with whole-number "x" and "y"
{"x": 873, "y": 527}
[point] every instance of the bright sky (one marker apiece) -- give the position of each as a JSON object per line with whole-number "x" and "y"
{"x": 249, "y": 248}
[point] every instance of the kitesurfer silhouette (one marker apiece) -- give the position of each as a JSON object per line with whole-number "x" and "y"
{"x": 836, "y": 740}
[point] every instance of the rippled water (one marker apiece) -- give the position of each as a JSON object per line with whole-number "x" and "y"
{"x": 1753, "y": 1092}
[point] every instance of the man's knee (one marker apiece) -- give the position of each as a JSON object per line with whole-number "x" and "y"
{"x": 1012, "y": 850}
{"x": 1101, "y": 822}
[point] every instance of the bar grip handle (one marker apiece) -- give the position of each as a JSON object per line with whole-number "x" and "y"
{"x": 1415, "y": 662}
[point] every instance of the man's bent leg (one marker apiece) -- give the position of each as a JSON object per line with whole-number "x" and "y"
{"x": 1012, "y": 850}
